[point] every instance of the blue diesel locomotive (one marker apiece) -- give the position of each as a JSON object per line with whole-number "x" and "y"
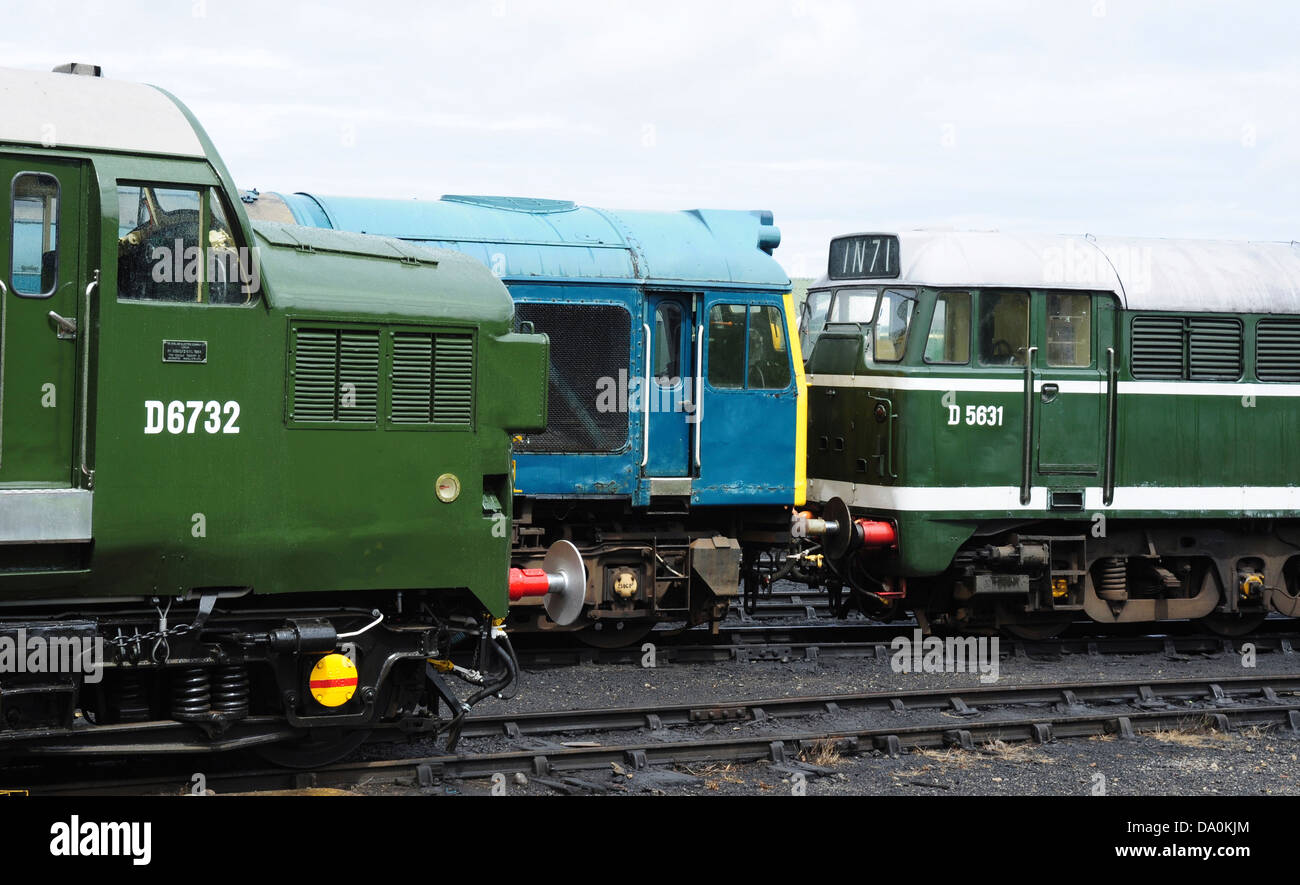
{"x": 675, "y": 447}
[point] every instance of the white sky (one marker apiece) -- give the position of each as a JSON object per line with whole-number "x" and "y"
{"x": 1071, "y": 116}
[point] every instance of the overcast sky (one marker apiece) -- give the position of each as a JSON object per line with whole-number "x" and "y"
{"x": 1102, "y": 116}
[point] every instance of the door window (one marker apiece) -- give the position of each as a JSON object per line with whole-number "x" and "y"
{"x": 667, "y": 360}
{"x": 34, "y": 236}
{"x": 1069, "y": 330}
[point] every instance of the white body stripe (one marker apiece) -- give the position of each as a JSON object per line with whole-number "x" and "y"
{"x": 995, "y": 385}
{"x": 1218, "y": 499}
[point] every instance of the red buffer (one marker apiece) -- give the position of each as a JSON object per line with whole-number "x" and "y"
{"x": 562, "y": 581}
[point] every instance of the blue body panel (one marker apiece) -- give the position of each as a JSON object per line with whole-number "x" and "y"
{"x": 551, "y": 251}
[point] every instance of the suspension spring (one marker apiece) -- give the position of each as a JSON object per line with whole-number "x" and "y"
{"x": 128, "y": 698}
{"x": 1113, "y": 586}
{"x": 230, "y": 693}
{"x": 191, "y": 694}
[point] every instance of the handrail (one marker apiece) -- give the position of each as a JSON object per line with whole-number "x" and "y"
{"x": 1026, "y": 482}
{"x": 87, "y": 474}
{"x": 699, "y": 394}
{"x": 1112, "y": 419}
{"x": 4, "y": 352}
{"x": 645, "y": 400}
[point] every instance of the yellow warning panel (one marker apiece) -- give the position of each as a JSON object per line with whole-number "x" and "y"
{"x": 333, "y": 681}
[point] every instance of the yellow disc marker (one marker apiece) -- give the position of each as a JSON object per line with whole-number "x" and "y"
{"x": 333, "y": 681}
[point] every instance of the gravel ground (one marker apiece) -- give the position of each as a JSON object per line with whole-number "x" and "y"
{"x": 1185, "y": 762}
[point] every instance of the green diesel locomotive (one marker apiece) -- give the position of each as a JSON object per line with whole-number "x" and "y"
{"x": 1014, "y": 432}
{"x": 255, "y": 482}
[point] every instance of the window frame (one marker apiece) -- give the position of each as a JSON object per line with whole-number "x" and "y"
{"x": 748, "y": 304}
{"x": 1092, "y": 329}
{"x": 970, "y": 328}
{"x": 13, "y": 230}
{"x": 978, "y": 319}
{"x": 206, "y": 192}
{"x": 908, "y": 294}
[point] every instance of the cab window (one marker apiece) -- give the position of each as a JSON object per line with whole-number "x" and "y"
{"x": 853, "y": 306}
{"x": 949, "y": 339}
{"x": 769, "y": 359}
{"x": 1003, "y": 328}
{"x": 748, "y": 348}
{"x": 668, "y": 344}
{"x": 813, "y": 317}
{"x": 1069, "y": 330}
{"x": 176, "y": 245}
{"x": 34, "y": 252}
{"x": 893, "y": 319}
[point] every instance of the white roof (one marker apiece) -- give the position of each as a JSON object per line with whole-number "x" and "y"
{"x": 1148, "y": 274}
{"x": 74, "y": 111}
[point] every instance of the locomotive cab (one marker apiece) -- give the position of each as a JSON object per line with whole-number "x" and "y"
{"x": 234, "y": 457}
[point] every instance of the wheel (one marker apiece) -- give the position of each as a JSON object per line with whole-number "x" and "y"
{"x": 1233, "y": 625}
{"x": 611, "y": 637}
{"x": 315, "y": 751}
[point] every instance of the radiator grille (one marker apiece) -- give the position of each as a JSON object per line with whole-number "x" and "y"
{"x": 587, "y": 381}
{"x": 1158, "y": 348}
{"x": 335, "y": 376}
{"x": 1277, "y": 355}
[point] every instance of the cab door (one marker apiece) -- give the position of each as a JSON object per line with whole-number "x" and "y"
{"x": 669, "y": 388}
{"x": 43, "y": 279}
{"x": 1070, "y": 397}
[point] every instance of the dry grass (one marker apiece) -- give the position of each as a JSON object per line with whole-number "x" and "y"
{"x": 954, "y": 757}
{"x": 1016, "y": 752}
{"x": 1194, "y": 737}
{"x": 714, "y": 774}
{"x": 823, "y": 753}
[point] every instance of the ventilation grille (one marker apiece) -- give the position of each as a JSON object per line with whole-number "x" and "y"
{"x": 1158, "y": 348}
{"x": 1277, "y": 356}
{"x": 587, "y": 382}
{"x": 433, "y": 379}
{"x": 336, "y": 376}
{"x": 1215, "y": 349}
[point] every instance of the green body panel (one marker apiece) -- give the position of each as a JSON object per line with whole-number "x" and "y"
{"x": 274, "y": 507}
{"x": 912, "y": 466}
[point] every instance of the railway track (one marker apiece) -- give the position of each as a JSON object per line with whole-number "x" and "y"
{"x": 747, "y": 643}
{"x": 779, "y": 730}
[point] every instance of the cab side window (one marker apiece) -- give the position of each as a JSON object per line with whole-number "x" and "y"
{"x": 1004, "y": 328}
{"x": 727, "y": 346}
{"x": 893, "y": 319}
{"x": 748, "y": 348}
{"x": 949, "y": 340}
{"x": 176, "y": 245}
{"x": 34, "y": 252}
{"x": 769, "y": 358}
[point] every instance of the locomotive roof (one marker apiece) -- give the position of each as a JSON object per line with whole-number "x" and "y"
{"x": 75, "y": 111}
{"x": 553, "y": 239}
{"x": 1147, "y": 273}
